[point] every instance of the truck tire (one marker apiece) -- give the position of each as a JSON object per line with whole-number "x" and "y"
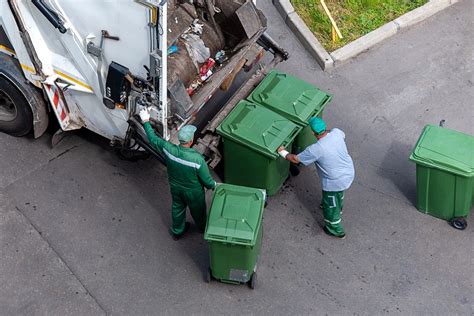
{"x": 16, "y": 117}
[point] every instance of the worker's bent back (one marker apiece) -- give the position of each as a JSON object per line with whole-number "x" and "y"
{"x": 186, "y": 167}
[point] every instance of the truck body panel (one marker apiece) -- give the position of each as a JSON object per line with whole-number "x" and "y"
{"x": 66, "y": 62}
{"x": 100, "y": 62}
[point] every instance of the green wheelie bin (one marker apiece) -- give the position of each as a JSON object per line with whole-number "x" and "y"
{"x": 294, "y": 99}
{"x": 444, "y": 174}
{"x": 234, "y": 233}
{"x": 251, "y": 135}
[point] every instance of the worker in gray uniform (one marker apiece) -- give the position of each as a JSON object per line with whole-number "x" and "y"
{"x": 188, "y": 175}
{"x": 335, "y": 169}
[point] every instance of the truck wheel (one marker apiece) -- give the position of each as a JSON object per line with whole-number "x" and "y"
{"x": 15, "y": 114}
{"x": 459, "y": 223}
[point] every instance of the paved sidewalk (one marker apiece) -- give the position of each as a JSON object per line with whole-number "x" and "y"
{"x": 76, "y": 219}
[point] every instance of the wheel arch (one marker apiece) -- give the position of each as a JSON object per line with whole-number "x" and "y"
{"x": 11, "y": 71}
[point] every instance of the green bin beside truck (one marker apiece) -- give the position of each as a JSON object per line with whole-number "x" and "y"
{"x": 251, "y": 135}
{"x": 294, "y": 99}
{"x": 444, "y": 174}
{"x": 234, "y": 233}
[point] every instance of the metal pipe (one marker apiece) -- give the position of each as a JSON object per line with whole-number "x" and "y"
{"x": 269, "y": 44}
{"x": 139, "y": 136}
{"x": 151, "y": 151}
{"x": 163, "y": 89}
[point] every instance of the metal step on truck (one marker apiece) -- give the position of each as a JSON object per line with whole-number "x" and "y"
{"x": 95, "y": 64}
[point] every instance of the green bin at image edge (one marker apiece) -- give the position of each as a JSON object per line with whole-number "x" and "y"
{"x": 293, "y": 98}
{"x": 234, "y": 232}
{"x": 444, "y": 172}
{"x": 251, "y": 135}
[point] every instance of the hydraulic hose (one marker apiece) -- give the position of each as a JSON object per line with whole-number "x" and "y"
{"x": 52, "y": 16}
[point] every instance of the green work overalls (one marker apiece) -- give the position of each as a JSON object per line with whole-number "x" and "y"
{"x": 188, "y": 174}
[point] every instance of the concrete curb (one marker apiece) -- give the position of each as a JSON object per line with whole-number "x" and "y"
{"x": 349, "y": 51}
{"x": 309, "y": 41}
{"x": 363, "y": 43}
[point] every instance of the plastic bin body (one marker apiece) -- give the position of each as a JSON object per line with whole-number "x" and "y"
{"x": 443, "y": 194}
{"x": 234, "y": 263}
{"x": 234, "y": 232}
{"x": 444, "y": 172}
{"x": 251, "y": 136}
{"x": 294, "y": 99}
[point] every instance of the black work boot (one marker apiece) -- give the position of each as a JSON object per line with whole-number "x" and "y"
{"x": 177, "y": 237}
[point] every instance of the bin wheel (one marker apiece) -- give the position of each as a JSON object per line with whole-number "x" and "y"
{"x": 253, "y": 281}
{"x": 294, "y": 170}
{"x": 208, "y": 276}
{"x": 459, "y": 223}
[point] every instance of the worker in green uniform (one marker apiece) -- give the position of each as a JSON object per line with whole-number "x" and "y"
{"x": 188, "y": 174}
{"x": 335, "y": 169}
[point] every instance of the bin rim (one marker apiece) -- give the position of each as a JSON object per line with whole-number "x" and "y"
{"x": 425, "y": 163}
{"x": 461, "y": 169}
{"x": 213, "y": 238}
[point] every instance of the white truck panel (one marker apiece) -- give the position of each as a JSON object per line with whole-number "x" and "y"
{"x": 65, "y": 56}
{"x": 11, "y": 29}
{"x": 103, "y": 121}
{"x": 89, "y": 17}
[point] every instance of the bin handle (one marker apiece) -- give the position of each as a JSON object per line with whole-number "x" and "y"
{"x": 292, "y": 137}
{"x": 323, "y": 105}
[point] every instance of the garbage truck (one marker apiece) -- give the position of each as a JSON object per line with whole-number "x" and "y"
{"x": 95, "y": 64}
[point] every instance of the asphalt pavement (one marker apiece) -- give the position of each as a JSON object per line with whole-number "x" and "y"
{"x": 85, "y": 233}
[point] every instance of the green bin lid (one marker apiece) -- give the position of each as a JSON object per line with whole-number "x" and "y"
{"x": 445, "y": 149}
{"x": 293, "y": 98}
{"x": 235, "y": 215}
{"x": 258, "y": 128}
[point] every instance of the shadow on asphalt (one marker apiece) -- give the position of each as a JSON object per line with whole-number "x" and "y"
{"x": 144, "y": 174}
{"x": 195, "y": 247}
{"x": 399, "y": 170}
{"x": 308, "y": 196}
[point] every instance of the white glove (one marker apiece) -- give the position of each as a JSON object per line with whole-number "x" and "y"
{"x": 284, "y": 153}
{"x": 144, "y": 115}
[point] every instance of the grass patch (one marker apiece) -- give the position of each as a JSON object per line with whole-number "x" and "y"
{"x": 354, "y": 18}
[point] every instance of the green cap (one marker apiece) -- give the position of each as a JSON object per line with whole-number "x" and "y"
{"x": 317, "y": 125}
{"x": 186, "y": 133}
